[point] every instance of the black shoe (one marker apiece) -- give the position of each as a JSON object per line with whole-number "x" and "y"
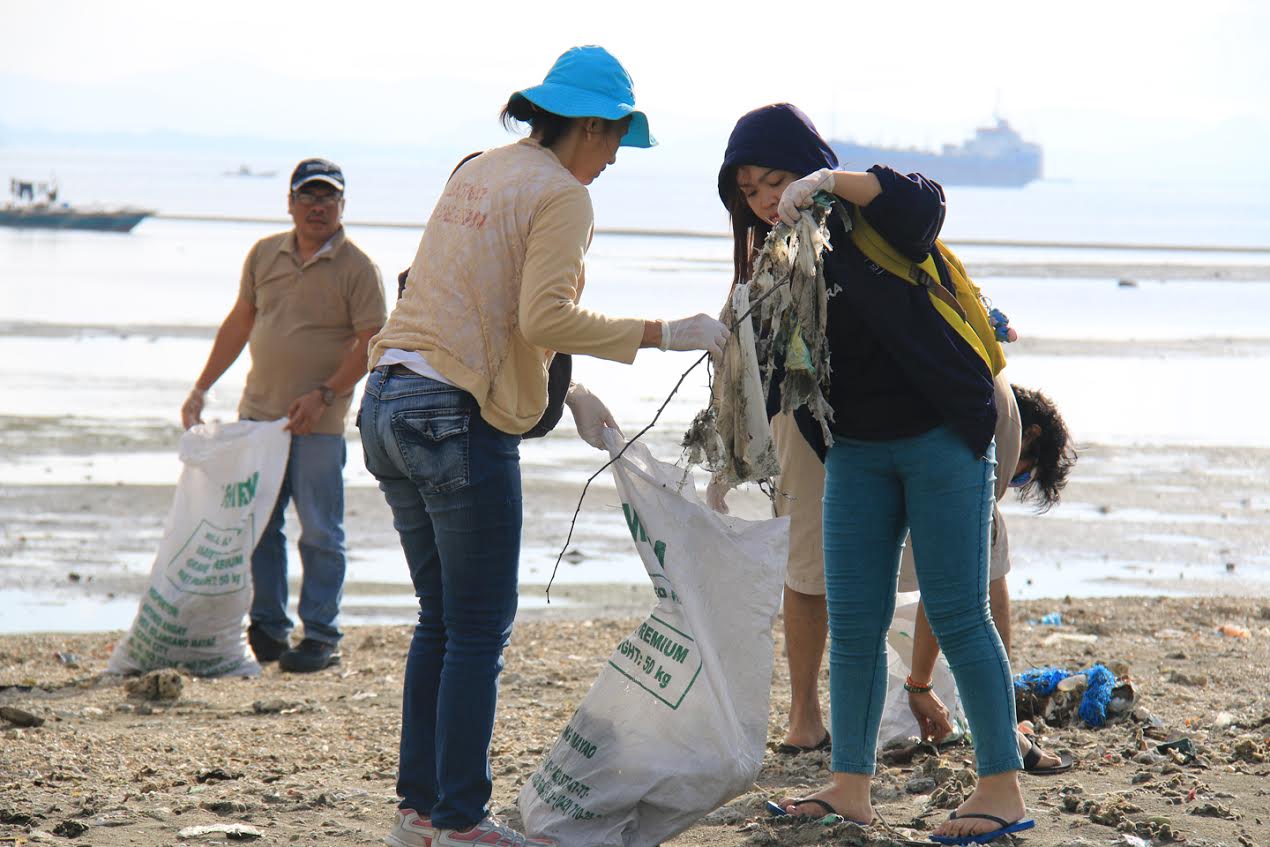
{"x": 266, "y": 649}
{"x": 309, "y": 656}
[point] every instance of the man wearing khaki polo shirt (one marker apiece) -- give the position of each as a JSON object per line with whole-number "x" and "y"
{"x": 308, "y": 304}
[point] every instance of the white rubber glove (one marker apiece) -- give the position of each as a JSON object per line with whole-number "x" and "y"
{"x": 798, "y": 194}
{"x": 590, "y": 415}
{"x": 716, "y": 496}
{"x": 699, "y": 332}
{"x": 192, "y": 408}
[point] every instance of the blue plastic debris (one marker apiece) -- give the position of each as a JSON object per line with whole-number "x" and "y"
{"x": 1093, "y": 705}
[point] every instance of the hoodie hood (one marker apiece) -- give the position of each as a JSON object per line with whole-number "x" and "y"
{"x": 775, "y": 136}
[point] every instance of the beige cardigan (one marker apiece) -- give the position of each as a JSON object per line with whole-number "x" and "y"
{"x": 494, "y": 287}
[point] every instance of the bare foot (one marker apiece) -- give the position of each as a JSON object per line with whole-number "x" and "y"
{"x": 1047, "y": 760}
{"x": 997, "y": 795}
{"x": 809, "y": 737}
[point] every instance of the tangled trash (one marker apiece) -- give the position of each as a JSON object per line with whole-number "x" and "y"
{"x": 780, "y": 315}
{"x": 1099, "y": 682}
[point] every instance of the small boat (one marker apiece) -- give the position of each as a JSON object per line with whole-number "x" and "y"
{"x": 244, "y": 170}
{"x": 34, "y": 205}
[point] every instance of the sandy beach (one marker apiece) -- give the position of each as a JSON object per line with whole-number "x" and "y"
{"x": 312, "y": 760}
{"x": 1160, "y": 539}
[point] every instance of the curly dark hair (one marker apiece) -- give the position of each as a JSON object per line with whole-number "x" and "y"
{"x": 1051, "y": 450}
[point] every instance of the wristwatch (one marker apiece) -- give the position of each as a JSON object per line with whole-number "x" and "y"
{"x": 328, "y": 394}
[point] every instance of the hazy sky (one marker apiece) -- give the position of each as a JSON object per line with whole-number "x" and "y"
{"x": 1136, "y": 88}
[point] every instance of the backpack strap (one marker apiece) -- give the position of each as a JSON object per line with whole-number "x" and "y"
{"x": 961, "y": 306}
{"x": 972, "y": 298}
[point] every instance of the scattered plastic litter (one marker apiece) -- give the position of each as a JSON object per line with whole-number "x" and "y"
{"x": 1069, "y": 638}
{"x": 233, "y": 832}
{"x": 1093, "y": 704}
{"x": 1230, "y": 630}
{"x": 1183, "y": 746}
{"x": 1040, "y": 681}
{"x": 1052, "y": 619}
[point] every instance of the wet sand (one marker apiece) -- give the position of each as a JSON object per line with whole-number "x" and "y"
{"x": 1134, "y": 520}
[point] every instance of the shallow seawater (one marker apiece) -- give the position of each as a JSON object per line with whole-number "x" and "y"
{"x": 1106, "y": 577}
{"x": 101, "y": 337}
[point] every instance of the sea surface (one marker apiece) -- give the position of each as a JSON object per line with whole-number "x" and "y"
{"x": 1143, "y": 349}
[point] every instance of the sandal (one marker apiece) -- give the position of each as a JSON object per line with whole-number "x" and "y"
{"x": 1004, "y": 828}
{"x": 825, "y": 744}
{"x": 776, "y": 810}
{"x": 1032, "y": 758}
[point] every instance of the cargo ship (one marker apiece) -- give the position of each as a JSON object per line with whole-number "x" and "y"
{"x": 34, "y": 205}
{"x": 996, "y": 156}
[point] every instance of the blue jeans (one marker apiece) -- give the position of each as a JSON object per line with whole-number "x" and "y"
{"x": 875, "y": 491}
{"x": 453, "y": 483}
{"x": 315, "y": 480}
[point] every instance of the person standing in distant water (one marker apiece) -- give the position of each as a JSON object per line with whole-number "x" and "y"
{"x": 308, "y": 304}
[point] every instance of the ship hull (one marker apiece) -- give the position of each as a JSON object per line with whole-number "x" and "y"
{"x": 1007, "y": 171}
{"x": 122, "y": 221}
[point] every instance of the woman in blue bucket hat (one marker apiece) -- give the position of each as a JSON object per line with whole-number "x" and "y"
{"x": 585, "y": 82}
{"x": 460, "y": 374}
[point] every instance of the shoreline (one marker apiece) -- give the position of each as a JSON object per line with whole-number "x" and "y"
{"x": 313, "y": 758}
{"x": 1134, "y": 520}
{"x": 644, "y": 232}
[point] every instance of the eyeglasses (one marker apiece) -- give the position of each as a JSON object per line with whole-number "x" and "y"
{"x": 305, "y": 198}
{"x": 1020, "y": 480}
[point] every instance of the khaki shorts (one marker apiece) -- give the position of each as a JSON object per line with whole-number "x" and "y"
{"x": 800, "y": 493}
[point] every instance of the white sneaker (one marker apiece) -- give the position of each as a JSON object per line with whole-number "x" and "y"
{"x": 411, "y": 830}
{"x": 488, "y": 833}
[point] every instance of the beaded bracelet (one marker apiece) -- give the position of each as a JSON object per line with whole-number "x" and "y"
{"x": 914, "y": 688}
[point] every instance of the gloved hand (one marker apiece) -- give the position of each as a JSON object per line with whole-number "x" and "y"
{"x": 798, "y": 194}
{"x": 716, "y": 496}
{"x": 699, "y": 332}
{"x": 192, "y": 408}
{"x": 590, "y": 415}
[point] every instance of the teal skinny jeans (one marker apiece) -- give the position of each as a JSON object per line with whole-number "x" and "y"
{"x": 933, "y": 487}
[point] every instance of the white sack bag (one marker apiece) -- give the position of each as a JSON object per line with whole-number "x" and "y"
{"x": 898, "y": 722}
{"x": 191, "y": 616}
{"x": 676, "y": 724}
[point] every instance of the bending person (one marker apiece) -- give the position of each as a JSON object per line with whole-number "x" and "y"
{"x": 460, "y": 371}
{"x": 913, "y": 451}
{"x": 1035, "y": 461}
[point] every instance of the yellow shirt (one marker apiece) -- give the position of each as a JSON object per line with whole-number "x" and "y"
{"x": 494, "y": 287}
{"x": 307, "y": 315}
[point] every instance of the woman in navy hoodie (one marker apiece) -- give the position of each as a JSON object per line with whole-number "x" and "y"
{"x": 913, "y": 420}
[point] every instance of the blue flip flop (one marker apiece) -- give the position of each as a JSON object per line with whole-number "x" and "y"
{"x": 1007, "y": 828}
{"x": 776, "y": 811}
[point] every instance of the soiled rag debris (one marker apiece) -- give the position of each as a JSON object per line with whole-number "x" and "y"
{"x": 777, "y": 316}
